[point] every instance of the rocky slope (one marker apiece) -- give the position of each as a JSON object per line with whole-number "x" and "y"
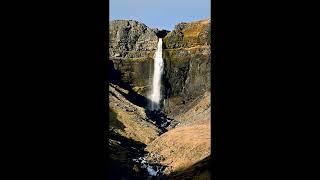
{"x": 129, "y": 131}
{"x": 134, "y": 122}
{"x": 183, "y": 146}
{"x": 133, "y": 136}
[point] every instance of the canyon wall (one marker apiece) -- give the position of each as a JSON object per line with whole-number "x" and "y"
{"x": 186, "y": 54}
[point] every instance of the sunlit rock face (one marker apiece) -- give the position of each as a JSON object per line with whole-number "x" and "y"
{"x": 187, "y": 59}
{"x": 132, "y": 46}
{"x": 131, "y": 39}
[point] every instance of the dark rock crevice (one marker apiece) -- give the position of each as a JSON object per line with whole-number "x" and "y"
{"x": 161, "y": 33}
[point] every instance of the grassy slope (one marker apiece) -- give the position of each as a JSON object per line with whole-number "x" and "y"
{"x": 132, "y": 118}
{"x": 189, "y": 143}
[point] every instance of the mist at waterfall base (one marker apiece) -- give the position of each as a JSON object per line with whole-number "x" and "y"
{"x": 155, "y": 96}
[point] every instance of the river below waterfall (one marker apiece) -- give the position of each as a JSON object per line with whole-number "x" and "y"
{"x": 152, "y": 167}
{"x": 150, "y": 162}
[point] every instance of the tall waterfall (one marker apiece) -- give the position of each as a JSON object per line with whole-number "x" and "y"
{"x": 155, "y": 96}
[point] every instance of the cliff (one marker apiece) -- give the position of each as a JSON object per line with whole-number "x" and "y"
{"x": 131, "y": 39}
{"x": 186, "y": 54}
{"x": 187, "y": 63}
{"x": 131, "y": 49}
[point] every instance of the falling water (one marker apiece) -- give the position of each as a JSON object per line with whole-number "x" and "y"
{"x": 155, "y": 96}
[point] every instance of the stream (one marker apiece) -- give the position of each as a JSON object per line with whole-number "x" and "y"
{"x": 151, "y": 162}
{"x": 152, "y": 167}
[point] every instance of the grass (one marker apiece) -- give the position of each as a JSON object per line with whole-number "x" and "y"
{"x": 195, "y": 33}
{"x": 195, "y": 29}
{"x": 183, "y": 146}
{"x": 113, "y": 121}
{"x": 191, "y": 53}
{"x": 141, "y": 89}
{"x": 197, "y": 171}
{"x": 142, "y": 59}
{"x": 135, "y": 126}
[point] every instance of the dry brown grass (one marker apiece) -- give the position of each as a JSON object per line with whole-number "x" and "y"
{"x": 132, "y": 117}
{"x": 183, "y": 146}
{"x": 190, "y": 142}
{"x": 197, "y": 111}
{"x": 198, "y": 171}
{"x": 195, "y": 29}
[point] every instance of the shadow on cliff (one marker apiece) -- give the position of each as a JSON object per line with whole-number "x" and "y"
{"x": 115, "y": 77}
{"x": 159, "y": 118}
{"x": 119, "y": 162}
{"x": 121, "y": 150}
{"x": 162, "y": 33}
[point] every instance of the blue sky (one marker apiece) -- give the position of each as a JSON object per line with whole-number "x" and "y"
{"x": 161, "y": 14}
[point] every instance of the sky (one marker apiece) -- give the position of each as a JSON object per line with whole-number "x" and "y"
{"x": 161, "y": 14}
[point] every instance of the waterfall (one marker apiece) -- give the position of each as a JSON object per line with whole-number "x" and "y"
{"x": 155, "y": 96}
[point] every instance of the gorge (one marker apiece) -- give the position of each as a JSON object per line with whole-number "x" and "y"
{"x": 148, "y": 137}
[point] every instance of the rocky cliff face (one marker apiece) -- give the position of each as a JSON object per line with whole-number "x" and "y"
{"x": 131, "y": 49}
{"x": 187, "y": 35}
{"x": 187, "y": 62}
{"x": 131, "y": 39}
{"x": 186, "y": 52}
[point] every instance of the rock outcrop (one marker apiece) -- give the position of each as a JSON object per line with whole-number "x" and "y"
{"x": 187, "y": 35}
{"x": 131, "y": 39}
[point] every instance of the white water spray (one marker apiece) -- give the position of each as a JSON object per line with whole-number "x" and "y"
{"x": 155, "y": 96}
